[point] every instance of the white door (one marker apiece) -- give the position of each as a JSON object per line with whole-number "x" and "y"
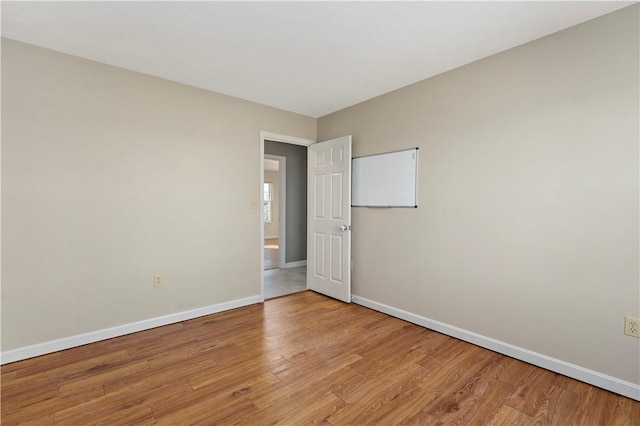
{"x": 329, "y": 213}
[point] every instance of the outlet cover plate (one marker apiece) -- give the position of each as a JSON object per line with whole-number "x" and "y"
{"x": 632, "y": 326}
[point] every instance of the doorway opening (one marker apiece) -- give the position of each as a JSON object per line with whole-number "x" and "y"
{"x": 283, "y": 175}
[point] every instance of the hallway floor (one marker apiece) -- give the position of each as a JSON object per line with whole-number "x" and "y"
{"x": 278, "y": 282}
{"x": 271, "y": 253}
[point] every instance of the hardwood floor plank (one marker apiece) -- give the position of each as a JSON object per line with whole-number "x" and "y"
{"x": 466, "y": 392}
{"x": 42, "y": 359}
{"x": 208, "y": 403}
{"x": 134, "y": 401}
{"x": 69, "y": 364}
{"x": 43, "y": 409}
{"x": 374, "y": 398}
{"x": 327, "y": 366}
{"x": 458, "y": 370}
{"x": 291, "y": 405}
{"x": 42, "y": 421}
{"x": 593, "y": 407}
{"x": 113, "y": 409}
{"x": 76, "y": 383}
{"x": 509, "y": 416}
{"x": 128, "y": 341}
{"x": 8, "y": 376}
{"x": 33, "y": 392}
{"x": 214, "y": 410}
{"x": 488, "y": 399}
{"x": 151, "y": 387}
{"x": 227, "y": 379}
{"x": 626, "y": 405}
{"x": 183, "y": 358}
{"x": 532, "y": 390}
{"x": 36, "y": 374}
{"x": 366, "y": 384}
{"x": 282, "y": 392}
{"x": 172, "y": 373}
{"x": 558, "y": 407}
{"x": 136, "y": 415}
{"x": 161, "y": 346}
{"x": 299, "y": 359}
{"x": 316, "y": 412}
{"x": 406, "y": 408}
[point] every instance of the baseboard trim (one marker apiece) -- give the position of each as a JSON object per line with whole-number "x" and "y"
{"x": 31, "y": 351}
{"x": 270, "y": 237}
{"x": 295, "y": 264}
{"x": 613, "y": 384}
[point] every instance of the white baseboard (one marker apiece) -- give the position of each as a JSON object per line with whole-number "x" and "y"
{"x": 613, "y": 384}
{"x": 270, "y": 237}
{"x": 107, "y": 333}
{"x": 295, "y": 264}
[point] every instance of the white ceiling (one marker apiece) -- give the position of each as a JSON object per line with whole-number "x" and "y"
{"x": 313, "y": 58}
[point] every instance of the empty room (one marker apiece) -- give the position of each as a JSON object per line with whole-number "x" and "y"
{"x": 461, "y": 216}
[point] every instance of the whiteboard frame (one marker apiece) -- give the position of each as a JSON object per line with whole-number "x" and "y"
{"x": 354, "y": 190}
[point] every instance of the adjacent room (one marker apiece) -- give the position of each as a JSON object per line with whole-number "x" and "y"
{"x": 285, "y": 218}
{"x": 180, "y": 243}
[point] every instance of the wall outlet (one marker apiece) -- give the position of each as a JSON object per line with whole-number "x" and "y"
{"x": 157, "y": 280}
{"x": 632, "y": 326}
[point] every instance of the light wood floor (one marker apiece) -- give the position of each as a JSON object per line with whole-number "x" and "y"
{"x": 271, "y": 253}
{"x": 294, "y": 360}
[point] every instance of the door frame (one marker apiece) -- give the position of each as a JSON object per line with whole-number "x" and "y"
{"x": 282, "y": 205}
{"x": 275, "y": 137}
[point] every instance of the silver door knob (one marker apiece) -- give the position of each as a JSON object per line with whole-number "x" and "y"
{"x": 345, "y": 227}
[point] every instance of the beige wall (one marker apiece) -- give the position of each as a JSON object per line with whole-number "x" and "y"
{"x": 527, "y": 226}
{"x": 271, "y": 228}
{"x": 109, "y": 177}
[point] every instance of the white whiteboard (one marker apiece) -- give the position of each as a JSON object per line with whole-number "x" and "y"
{"x": 385, "y": 180}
